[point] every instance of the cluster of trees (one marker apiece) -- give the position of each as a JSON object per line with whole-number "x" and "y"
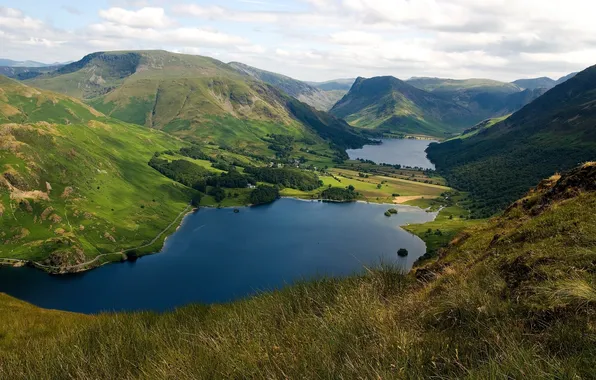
{"x": 195, "y": 152}
{"x": 233, "y": 179}
{"x": 264, "y": 194}
{"x": 340, "y": 194}
{"x": 287, "y": 177}
{"x": 185, "y": 172}
{"x": 282, "y": 145}
{"x": 204, "y": 181}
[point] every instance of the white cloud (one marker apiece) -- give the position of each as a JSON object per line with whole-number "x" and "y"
{"x": 143, "y": 18}
{"x": 322, "y": 39}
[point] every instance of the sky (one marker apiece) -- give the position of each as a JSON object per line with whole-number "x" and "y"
{"x": 319, "y": 40}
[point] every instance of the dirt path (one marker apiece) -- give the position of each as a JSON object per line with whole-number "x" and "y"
{"x": 79, "y": 267}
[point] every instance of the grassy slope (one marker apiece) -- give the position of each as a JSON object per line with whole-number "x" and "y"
{"x": 102, "y": 196}
{"x": 553, "y": 133}
{"x": 453, "y": 218}
{"x": 390, "y": 105}
{"x": 513, "y": 297}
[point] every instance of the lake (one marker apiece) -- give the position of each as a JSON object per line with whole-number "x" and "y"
{"x": 405, "y": 152}
{"x": 219, "y": 256}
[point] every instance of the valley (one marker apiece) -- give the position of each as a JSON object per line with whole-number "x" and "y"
{"x": 168, "y": 215}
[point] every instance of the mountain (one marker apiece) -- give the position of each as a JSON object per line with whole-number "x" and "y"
{"x": 566, "y": 78}
{"x": 387, "y": 104}
{"x": 193, "y": 97}
{"x": 512, "y": 298}
{"x": 543, "y": 82}
{"x": 321, "y": 100}
{"x": 485, "y": 98}
{"x": 335, "y": 84}
{"x": 11, "y": 63}
{"x": 24, "y": 73}
{"x": 442, "y": 85}
{"x": 555, "y": 132}
{"x": 74, "y": 184}
{"x": 535, "y": 83}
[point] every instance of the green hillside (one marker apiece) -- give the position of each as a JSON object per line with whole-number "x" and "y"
{"x": 74, "y": 184}
{"x": 317, "y": 98}
{"x": 387, "y": 104}
{"x": 193, "y": 97}
{"x": 20, "y": 103}
{"x": 553, "y": 133}
{"x": 511, "y": 298}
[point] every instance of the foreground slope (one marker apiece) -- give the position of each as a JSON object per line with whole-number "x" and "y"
{"x": 553, "y": 133}
{"x": 74, "y": 184}
{"x": 319, "y": 99}
{"x": 193, "y": 97}
{"x": 388, "y": 104}
{"x": 514, "y": 297}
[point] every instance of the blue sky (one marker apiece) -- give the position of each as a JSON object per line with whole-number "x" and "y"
{"x": 319, "y": 39}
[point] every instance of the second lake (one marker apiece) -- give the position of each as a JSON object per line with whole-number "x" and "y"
{"x": 405, "y": 152}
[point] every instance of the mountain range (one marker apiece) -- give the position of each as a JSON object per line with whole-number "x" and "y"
{"x": 11, "y": 63}
{"x": 193, "y": 97}
{"x": 429, "y": 106}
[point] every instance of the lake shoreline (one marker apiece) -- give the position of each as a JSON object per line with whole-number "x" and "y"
{"x": 86, "y": 267}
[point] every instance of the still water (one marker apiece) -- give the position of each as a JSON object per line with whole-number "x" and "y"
{"x": 404, "y": 152}
{"x": 219, "y": 256}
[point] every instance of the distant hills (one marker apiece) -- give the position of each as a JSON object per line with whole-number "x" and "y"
{"x": 553, "y": 133}
{"x": 193, "y": 97}
{"x": 318, "y": 98}
{"x": 334, "y": 85}
{"x": 543, "y": 82}
{"x": 11, "y": 63}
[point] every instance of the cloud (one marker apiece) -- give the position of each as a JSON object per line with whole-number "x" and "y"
{"x": 143, "y": 18}
{"x": 322, "y": 39}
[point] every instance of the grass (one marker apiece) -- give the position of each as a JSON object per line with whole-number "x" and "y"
{"x": 453, "y": 218}
{"x": 511, "y": 298}
{"x": 387, "y": 185}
